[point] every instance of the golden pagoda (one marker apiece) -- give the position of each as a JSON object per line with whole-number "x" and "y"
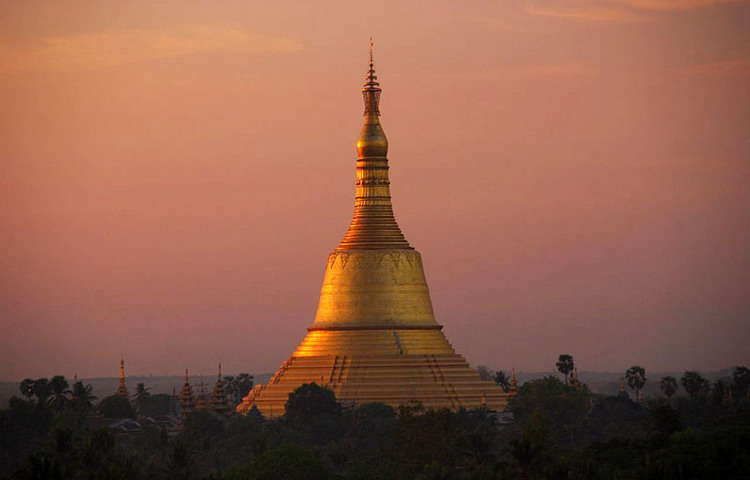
{"x": 375, "y": 338}
{"x": 122, "y": 389}
{"x": 201, "y": 399}
{"x": 218, "y": 397}
{"x": 186, "y": 397}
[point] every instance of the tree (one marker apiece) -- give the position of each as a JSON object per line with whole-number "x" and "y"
{"x": 27, "y": 388}
{"x": 59, "y": 392}
{"x": 237, "y": 387}
{"x": 153, "y": 405}
{"x": 141, "y": 394}
{"x": 664, "y": 419}
{"x": 116, "y": 406}
{"x": 564, "y": 406}
{"x": 636, "y": 378}
{"x": 694, "y": 384}
{"x": 719, "y": 392}
{"x": 741, "y": 379}
{"x": 484, "y": 372}
{"x": 180, "y": 462}
{"x": 230, "y": 389}
{"x": 565, "y": 365}
{"x": 668, "y": 386}
{"x": 200, "y": 426}
{"x": 526, "y": 450}
{"x": 289, "y": 462}
{"x": 502, "y": 379}
{"x": 42, "y": 390}
{"x": 83, "y": 398}
{"x": 311, "y": 400}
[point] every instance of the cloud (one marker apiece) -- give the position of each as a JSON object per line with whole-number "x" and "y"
{"x": 676, "y": 4}
{"x": 94, "y": 50}
{"x": 614, "y": 11}
{"x": 599, "y": 12}
{"x": 725, "y": 68}
{"x": 566, "y": 70}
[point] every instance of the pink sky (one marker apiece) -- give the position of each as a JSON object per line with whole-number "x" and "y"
{"x": 574, "y": 173}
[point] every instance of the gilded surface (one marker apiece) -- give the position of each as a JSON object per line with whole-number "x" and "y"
{"x": 375, "y": 338}
{"x": 374, "y": 287}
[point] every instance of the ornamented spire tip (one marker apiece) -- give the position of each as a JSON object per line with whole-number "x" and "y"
{"x": 372, "y": 79}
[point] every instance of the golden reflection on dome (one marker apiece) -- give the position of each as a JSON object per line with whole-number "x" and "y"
{"x": 375, "y": 338}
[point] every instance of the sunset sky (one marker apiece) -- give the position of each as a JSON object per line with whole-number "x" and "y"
{"x": 576, "y": 175}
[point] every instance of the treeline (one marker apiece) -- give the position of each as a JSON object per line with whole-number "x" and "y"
{"x": 560, "y": 431}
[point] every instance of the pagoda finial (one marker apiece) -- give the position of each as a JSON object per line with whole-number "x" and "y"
{"x": 373, "y": 225}
{"x": 187, "y": 377}
{"x": 219, "y": 370}
{"x": 371, "y": 89}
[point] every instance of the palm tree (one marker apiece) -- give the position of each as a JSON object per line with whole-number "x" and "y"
{"x": 230, "y": 388}
{"x": 741, "y": 379}
{"x": 484, "y": 372}
{"x": 141, "y": 394}
{"x": 27, "y": 388}
{"x": 502, "y": 379}
{"x": 719, "y": 392}
{"x": 59, "y": 387}
{"x": 636, "y": 378}
{"x": 668, "y": 386}
{"x": 694, "y": 384}
{"x": 83, "y": 399}
{"x": 565, "y": 365}
{"x": 42, "y": 390}
{"x": 244, "y": 384}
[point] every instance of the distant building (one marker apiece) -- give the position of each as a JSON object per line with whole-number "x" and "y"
{"x": 187, "y": 404}
{"x": 218, "y": 397}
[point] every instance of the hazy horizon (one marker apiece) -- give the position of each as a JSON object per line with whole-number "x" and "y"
{"x": 574, "y": 173}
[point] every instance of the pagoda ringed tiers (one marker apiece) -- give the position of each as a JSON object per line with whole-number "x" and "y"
{"x": 374, "y": 337}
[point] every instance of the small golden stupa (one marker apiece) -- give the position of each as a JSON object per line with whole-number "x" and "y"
{"x": 218, "y": 396}
{"x": 187, "y": 403}
{"x": 122, "y": 388}
{"x": 375, "y": 338}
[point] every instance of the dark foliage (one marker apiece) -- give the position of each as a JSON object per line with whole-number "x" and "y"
{"x": 565, "y": 365}
{"x": 288, "y": 462}
{"x": 695, "y": 385}
{"x": 153, "y": 405}
{"x": 116, "y": 406}
{"x": 560, "y": 432}
{"x": 310, "y": 401}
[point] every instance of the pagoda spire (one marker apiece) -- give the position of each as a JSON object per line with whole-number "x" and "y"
{"x": 122, "y": 388}
{"x": 186, "y": 397}
{"x": 513, "y": 382}
{"x": 218, "y": 396}
{"x": 373, "y": 225}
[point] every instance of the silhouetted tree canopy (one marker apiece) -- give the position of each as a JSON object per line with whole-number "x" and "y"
{"x": 288, "y": 462}
{"x": 502, "y": 379}
{"x": 565, "y": 365}
{"x": 636, "y": 378}
{"x": 694, "y": 384}
{"x": 741, "y": 380}
{"x": 311, "y": 400}
{"x": 157, "y": 404}
{"x": 668, "y": 386}
{"x": 116, "y": 406}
